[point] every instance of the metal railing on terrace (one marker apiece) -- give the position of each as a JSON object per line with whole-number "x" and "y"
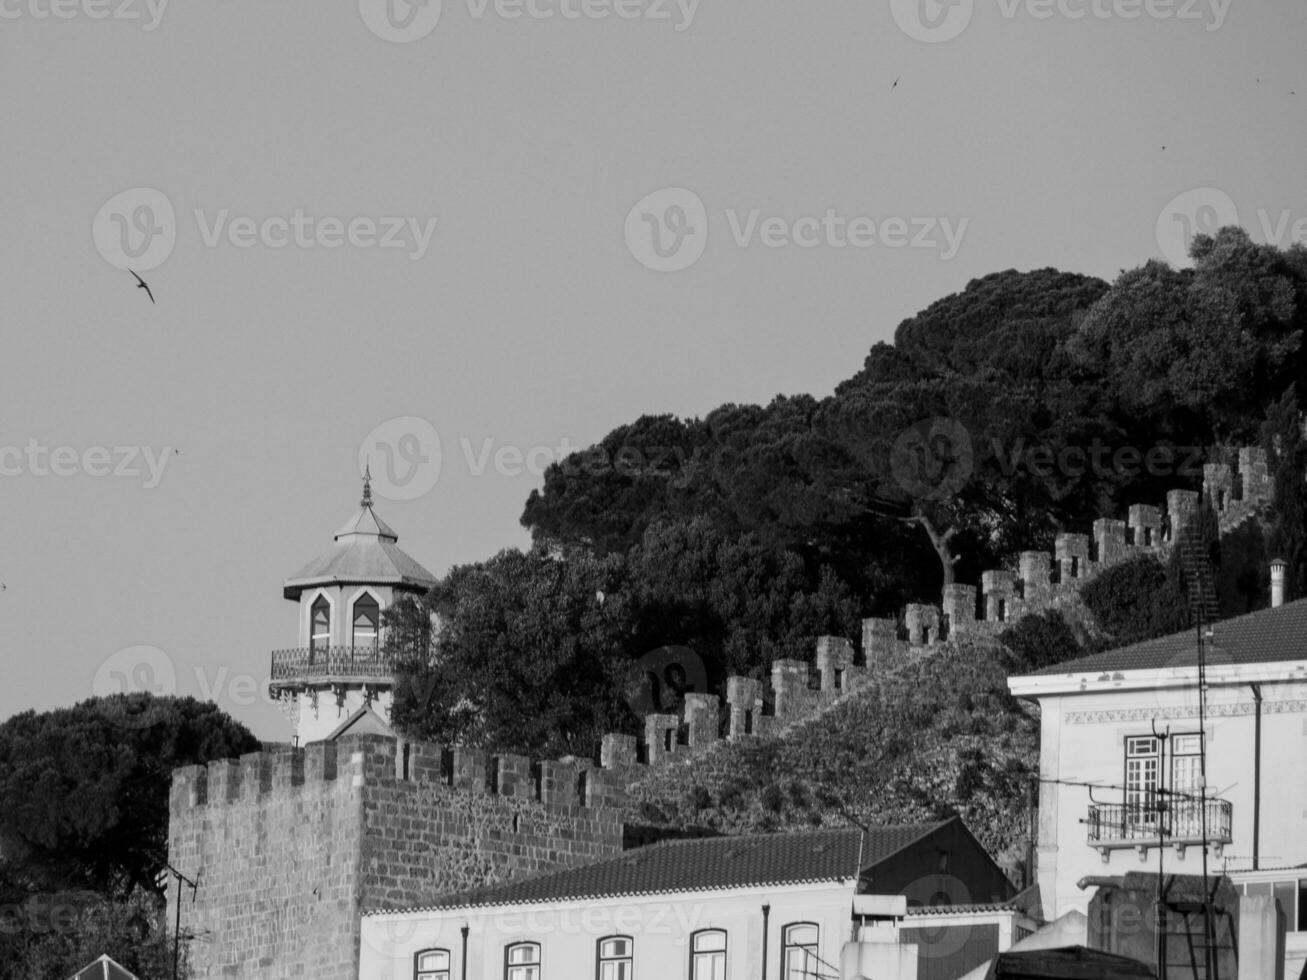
{"x": 1135, "y": 824}
{"x": 325, "y": 663}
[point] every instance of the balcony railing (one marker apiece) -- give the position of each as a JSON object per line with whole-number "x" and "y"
{"x": 1136, "y": 825}
{"x": 325, "y": 664}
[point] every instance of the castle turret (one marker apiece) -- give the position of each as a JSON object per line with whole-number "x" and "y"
{"x": 339, "y": 678}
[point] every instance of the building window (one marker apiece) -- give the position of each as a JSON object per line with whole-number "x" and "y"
{"x": 367, "y": 623}
{"x": 799, "y": 952}
{"x": 1143, "y": 761}
{"x": 615, "y": 956}
{"x": 1187, "y": 784}
{"x": 320, "y": 629}
{"x": 522, "y": 962}
{"x": 1141, "y": 766}
{"x": 708, "y": 955}
{"x": 431, "y": 964}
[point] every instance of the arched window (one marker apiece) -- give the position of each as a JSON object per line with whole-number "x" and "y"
{"x": 320, "y": 628}
{"x": 522, "y": 962}
{"x": 615, "y": 955}
{"x": 799, "y": 952}
{"x": 708, "y": 955}
{"x": 431, "y": 964}
{"x": 367, "y": 623}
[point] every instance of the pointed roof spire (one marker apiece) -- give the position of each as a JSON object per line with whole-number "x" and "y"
{"x": 365, "y": 552}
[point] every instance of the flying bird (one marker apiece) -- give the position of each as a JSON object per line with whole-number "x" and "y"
{"x": 142, "y": 284}
{"x": 896, "y": 84}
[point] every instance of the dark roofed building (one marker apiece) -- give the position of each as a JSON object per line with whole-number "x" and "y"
{"x": 726, "y": 902}
{"x": 1266, "y": 636}
{"x": 1068, "y": 963}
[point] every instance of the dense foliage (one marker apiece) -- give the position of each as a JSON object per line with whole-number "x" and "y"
{"x": 51, "y": 937}
{"x": 86, "y": 788}
{"x": 84, "y": 828}
{"x": 1137, "y": 600}
{"x": 1027, "y": 404}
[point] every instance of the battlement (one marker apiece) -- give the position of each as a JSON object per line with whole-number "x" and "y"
{"x": 1041, "y": 581}
{"x": 356, "y": 762}
{"x": 291, "y": 846}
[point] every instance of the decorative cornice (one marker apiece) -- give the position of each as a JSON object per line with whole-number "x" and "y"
{"x": 1183, "y": 711}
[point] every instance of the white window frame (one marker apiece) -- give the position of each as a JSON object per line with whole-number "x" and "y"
{"x": 615, "y": 966}
{"x": 522, "y": 969}
{"x": 709, "y": 963}
{"x": 435, "y": 972}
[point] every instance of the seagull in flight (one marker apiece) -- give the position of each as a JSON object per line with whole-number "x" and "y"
{"x": 896, "y": 84}
{"x": 142, "y": 284}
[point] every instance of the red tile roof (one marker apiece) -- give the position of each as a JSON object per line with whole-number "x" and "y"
{"x": 707, "y": 864}
{"x": 1266, "y": 636}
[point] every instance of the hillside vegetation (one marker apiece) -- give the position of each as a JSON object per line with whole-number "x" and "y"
{"x": 1018, "y": 408}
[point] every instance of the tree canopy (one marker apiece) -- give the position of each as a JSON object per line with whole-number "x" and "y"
{"x": 1019, "y": 407}
{"x": 86, "y": 788}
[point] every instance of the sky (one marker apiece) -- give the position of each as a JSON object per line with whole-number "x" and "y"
{"x": 458, "y": 238}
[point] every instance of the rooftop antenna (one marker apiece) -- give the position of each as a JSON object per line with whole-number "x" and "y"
{"x": 1205, "y": 610}
{"x": 177, "y": 923}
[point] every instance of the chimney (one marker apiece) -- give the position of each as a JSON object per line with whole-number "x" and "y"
{"x": 1277, "y": 582}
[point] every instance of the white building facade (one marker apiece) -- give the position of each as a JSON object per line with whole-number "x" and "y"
{"x": 789, "y": 906}
{"x": 1121, "y": 762}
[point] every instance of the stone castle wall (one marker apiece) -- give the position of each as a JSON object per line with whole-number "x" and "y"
{"x": 1041, "y": 581}
{"x": 290, "y": 846}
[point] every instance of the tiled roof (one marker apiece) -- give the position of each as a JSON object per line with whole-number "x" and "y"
{"x": 1266, "y": 636}
{"x": 975, "y": 908}
{"x": 707, "y": 864}
{"x": 365, "y": 553}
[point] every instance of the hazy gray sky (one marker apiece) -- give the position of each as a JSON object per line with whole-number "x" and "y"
{"x": 1023, "y": 133}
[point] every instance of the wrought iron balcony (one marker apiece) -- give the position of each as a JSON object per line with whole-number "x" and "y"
{"x": 326, "y": 665}
{"x": 1116, "y": 825}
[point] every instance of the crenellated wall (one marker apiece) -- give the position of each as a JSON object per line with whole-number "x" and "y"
{"x": 1044, "y": 582}
{"x": 291, "y": 845}
{"x": 1041, "y": 581}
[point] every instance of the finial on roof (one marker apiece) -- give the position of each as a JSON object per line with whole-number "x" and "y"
{"x": 367, "y": 487}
